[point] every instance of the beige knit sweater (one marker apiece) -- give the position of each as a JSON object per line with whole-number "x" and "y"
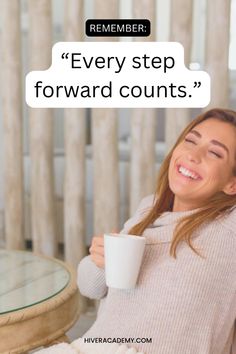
{"x": 186, "y": 306}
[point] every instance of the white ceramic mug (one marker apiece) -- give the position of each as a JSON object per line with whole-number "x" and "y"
{"x": 123, "y": 258}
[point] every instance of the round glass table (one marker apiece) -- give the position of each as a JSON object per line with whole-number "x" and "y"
{"x": 38, "y": 301}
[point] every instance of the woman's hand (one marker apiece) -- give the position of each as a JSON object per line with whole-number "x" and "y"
{"x": 96, "y": 251}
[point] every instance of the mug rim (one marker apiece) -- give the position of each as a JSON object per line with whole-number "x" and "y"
{"x": 113, "y": 234}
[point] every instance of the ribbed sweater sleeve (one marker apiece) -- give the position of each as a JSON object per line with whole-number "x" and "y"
{"x": 91, "y": 279}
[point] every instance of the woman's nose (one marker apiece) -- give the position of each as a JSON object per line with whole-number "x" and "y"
{"x": 194, "y": 156}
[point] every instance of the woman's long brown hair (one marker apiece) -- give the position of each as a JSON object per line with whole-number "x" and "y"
{"x": 216, "y": 206}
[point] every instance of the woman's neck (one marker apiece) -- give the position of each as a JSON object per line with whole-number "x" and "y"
{"x": 179, "y": 205}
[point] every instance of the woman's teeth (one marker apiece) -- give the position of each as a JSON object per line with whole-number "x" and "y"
{"x": 187, "y": 173}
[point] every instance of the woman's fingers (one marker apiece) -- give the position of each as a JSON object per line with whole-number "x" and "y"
{"x": 98, "y": 240}
{"x": 97, "y": 251}
{"x": 98, "y": 260}
{"x": 97, "y": 245}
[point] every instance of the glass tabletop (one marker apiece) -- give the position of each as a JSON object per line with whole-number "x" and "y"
{"x": 27, "y": 279}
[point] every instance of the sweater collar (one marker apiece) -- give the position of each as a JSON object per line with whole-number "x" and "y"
{"x": 161, "y": 231}
{"x": 172, "y": 217}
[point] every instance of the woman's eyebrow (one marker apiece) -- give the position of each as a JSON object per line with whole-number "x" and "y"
{"x": 195, "y": 132}
{"x": 215, "y": 142}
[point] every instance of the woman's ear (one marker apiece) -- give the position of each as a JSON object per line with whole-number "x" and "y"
{"x": 230, "y": 188}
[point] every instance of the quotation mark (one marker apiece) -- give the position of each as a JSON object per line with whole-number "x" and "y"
{"x": 197, "y": 84}
{"x": 65, "y": 55}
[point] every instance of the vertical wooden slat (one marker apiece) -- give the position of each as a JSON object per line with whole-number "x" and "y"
{"x": 12, "y": 116}
{"x": 41, "y": 134}
{"x": 180, "y": 31}
{"x": 75, "y": 133}
{"x": 143, "y": 128}
{"x": 217, "y": 50}
{"x": 105, "y": 150}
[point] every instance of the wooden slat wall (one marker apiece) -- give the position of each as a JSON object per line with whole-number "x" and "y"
{"x": 104, "y": 124}
{"x": 143, "y": 128}
{"x": 105, "y": 148}
{"x": 12, "y": 116}
{"x": 180, "y": 31}
{"x": 41, "y": 134}
{"x": 75, "y": 167}
{"x": 75, "y": 135}
{"x": 217, "y": 51}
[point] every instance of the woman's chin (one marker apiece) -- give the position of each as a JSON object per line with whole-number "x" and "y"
{"x": 180, "y": 189}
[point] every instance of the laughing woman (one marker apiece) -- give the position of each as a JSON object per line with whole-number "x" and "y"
{"x": 185, "y": 298}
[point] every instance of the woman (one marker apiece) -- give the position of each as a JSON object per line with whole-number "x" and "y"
{"x": 185, "y": 298}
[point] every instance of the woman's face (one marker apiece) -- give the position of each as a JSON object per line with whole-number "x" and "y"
{"x": 202, "y": 164}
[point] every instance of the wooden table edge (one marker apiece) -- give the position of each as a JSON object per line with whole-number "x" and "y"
{"x": 63, "y": 304}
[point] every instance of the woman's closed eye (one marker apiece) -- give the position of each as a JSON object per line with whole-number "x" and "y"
{"x": 212, "y": 152}
{"x": 190, "y": 141}
{"x": 216, "y": 154}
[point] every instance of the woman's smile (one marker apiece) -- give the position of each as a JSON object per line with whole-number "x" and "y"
{"x": 187, "y": 173}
